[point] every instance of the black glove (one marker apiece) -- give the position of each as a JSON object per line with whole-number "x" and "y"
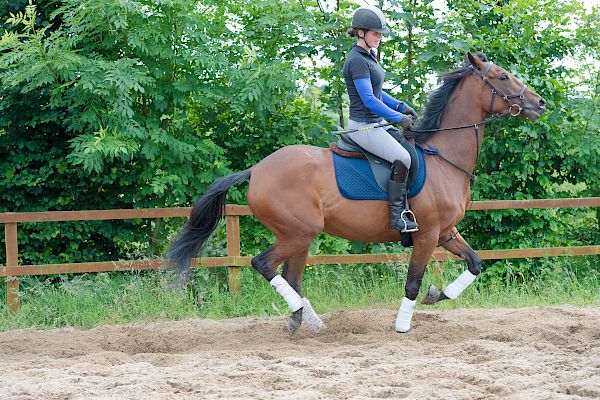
{"x": 407, "y": 122}
{"x": 408, "y": 110}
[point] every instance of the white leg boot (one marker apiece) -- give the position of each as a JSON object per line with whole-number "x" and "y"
{"x": 454, "y": 289}
{"x": 310, "y": 317}
{"x": 407, "y": 308}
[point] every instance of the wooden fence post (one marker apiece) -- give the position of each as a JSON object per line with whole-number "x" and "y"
{"x": 233, "y": 249}
{"x": 12, "y": 260}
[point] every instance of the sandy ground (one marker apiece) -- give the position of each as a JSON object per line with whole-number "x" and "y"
{"x": 530, "y": 353}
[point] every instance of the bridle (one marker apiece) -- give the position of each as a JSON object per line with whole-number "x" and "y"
{"x": 496, "y": 90}
{"x": 514, "y": 110}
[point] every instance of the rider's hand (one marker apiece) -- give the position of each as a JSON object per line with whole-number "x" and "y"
{"x": 407, "y": 122}
{"x": 408, "y": 110}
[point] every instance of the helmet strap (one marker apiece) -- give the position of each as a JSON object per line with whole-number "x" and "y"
{"x": 364, "y": 38}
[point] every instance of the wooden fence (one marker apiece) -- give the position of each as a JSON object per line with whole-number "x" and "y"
{"x": 234, "y": 260}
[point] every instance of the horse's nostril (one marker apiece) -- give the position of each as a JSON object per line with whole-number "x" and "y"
{"x": 542, "y": 103}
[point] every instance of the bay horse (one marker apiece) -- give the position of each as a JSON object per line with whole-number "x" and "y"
{"x": 293, "y": 192}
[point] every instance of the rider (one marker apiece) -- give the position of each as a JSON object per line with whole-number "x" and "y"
{"x": 369, "y": 105}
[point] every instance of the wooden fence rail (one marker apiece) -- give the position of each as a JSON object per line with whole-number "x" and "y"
{"x": 234, "y": 260}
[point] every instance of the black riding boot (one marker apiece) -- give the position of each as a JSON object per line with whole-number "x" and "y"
{"x": 400, "y": 215}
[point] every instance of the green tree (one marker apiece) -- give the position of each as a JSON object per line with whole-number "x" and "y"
{"x": 125, "y": 102}
{"x": 112, "y": 104}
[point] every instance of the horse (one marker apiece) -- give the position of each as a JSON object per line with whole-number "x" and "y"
{"x": 293, "y": 192}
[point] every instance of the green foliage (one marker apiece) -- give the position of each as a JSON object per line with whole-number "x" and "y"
{"x": 144, "y": 103}
{"x": 44, "y": 9}
{"x": 112, "y": 104}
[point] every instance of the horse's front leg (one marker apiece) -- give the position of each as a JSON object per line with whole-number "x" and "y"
{"x": 423, "y": 247}
{"x": 457, "y": 245}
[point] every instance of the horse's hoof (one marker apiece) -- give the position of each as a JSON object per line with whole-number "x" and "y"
{"x": 432, "y": 296}
{"x": 295, "y": 321}
{"x": 403, "y": 332}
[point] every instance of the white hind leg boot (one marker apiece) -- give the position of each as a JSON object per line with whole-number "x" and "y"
{"x": 292, "y": 298}
{"x": 310, "y": 317}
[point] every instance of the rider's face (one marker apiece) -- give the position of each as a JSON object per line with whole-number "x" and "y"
{"x": 373, "y": 39}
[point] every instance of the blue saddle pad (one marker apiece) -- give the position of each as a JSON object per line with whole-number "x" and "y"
{"x": 356, "y": 181}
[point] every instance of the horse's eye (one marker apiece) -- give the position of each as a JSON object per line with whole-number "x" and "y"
{"x": 503, "y": 77}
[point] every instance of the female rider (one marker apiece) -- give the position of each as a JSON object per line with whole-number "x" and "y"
{"x": 369, "y": 105}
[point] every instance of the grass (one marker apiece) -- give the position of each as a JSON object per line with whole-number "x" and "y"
{"x": 112, "y": 298}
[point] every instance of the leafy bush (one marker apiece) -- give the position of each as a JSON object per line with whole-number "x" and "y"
{"x": 110, "y": 104}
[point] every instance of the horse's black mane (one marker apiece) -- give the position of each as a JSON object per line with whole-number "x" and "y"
{"x": 438, "y": 99}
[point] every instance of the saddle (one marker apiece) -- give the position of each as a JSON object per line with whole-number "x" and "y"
{"x": 381, "y": 171}
{"x": 381, "y": 168}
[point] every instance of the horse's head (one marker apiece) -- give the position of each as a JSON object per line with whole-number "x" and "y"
{"x": 507, "y": 94}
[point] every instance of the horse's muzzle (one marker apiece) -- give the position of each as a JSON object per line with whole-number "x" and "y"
{"x": 534, "y": 108}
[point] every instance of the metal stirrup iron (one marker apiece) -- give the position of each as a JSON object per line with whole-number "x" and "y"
{"x": 405, "y": 220}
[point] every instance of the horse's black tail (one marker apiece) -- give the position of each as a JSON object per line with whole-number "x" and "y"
{"x": 206, "y": 214}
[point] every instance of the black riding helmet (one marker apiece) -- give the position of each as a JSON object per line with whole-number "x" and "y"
{"x": 370, "y": 18}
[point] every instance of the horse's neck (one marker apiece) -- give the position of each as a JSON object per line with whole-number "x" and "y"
{"x": 464, "y": 108}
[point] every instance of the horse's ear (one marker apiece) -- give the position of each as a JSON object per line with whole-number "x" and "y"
{"x": 473, "y": 60}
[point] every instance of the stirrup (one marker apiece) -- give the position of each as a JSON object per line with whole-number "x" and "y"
{"x": 405, "y": 220}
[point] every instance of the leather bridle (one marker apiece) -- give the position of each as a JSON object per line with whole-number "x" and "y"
{"x": 514, "y": 110}
{"x": 496, "y": 90}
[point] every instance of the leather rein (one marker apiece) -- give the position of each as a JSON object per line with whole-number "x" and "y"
{"x": 514, "y": 109}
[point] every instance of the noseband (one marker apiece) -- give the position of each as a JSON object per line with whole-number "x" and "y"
{"x": 514, "y": 109}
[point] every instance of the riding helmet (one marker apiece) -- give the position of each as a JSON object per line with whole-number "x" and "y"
{"x": 369, "y": 18}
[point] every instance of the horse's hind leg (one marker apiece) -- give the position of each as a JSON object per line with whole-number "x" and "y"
{"x": 294, "y": 251}
{"x": 293, "y": 269}
{"x": 292, "y": 272}
{"x": 266, "y": 264}
{"x": 456, "y": 245}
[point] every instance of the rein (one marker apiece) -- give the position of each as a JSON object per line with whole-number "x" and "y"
{"x": 476, "y": 127}
{"x": 495, "y": 90}
{"x": 514, "y": 110}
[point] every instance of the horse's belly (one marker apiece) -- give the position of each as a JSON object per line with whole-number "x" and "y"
{"x": 360, "y": 221}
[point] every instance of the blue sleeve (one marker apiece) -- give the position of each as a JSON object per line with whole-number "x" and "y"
{"x": 365, "y": 91}
{"x": 392, "y": 102}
